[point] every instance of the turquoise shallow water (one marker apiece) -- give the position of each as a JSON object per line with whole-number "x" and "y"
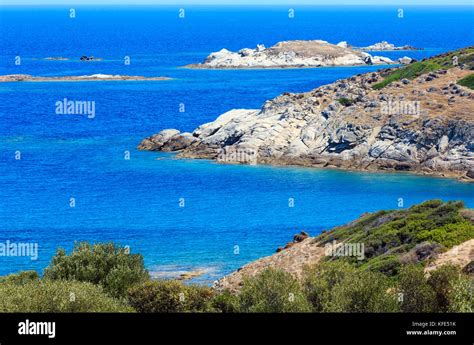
{"x": 136, "y": 202}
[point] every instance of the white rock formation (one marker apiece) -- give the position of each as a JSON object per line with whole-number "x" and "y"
{"x": 384, "y": 45}
{"x": 291, "y": 54}
{"x": 347, "y": 124}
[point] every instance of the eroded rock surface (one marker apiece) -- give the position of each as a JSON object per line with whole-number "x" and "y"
{"x": 425, "y": 125}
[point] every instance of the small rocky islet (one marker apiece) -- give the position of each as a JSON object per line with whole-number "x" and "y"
{"x": 92, "y": 77}
{"x": 416, "y": 118}
{"x": 382, "y": 46}
{"x": 299, "y": 53}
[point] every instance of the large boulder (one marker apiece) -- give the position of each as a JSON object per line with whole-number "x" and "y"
{"x": 156, "y": 142}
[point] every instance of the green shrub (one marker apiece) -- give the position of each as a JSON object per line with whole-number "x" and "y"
{"x": 226, "y": 302}
{"x": 366, "y": 292}
{"x": 112, "y": 267}
{"x": 449, "y": 235}
{"x": 321, "y": 278}
{"x": 272, "y": 291}
{"x": 417, "y": 295}
{"x": 345, "y": 101}
{"x": 386, "y": 264}
{"x": 56, "y": 296}
{"x": 167, "y": 296}
{"x": 461, "y": 298}
{"x": 426, "y": 206}
{"x": 20, "y": 278}
{"x": 467, "y": 81}
{"x": 340, "y": 287}
{"x": 441, "y": 281}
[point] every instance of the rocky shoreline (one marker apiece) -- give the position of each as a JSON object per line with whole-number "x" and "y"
{"x": 291, "y": 54}
{"x": 92, "y": 77}
{"x": 423, "y": 126}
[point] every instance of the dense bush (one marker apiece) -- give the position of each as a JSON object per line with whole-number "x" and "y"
{"x": 441, "y": 281}
{"x": 417, "y": 295}
{"x": 449, "y": 234}
{"x": 226, "y": 302}
{"x": 170, "y": 296}
{"x": 461, "y": 297}
{"x": 21, "y": 277}
{"x": 339, "y": 287}
{"x": 56, "y": 296}
{"x": 272, "y": 291}
{"x": 321, "y": 278}
{"x": 386, "y": 264}
{"x": 107, "y": 265}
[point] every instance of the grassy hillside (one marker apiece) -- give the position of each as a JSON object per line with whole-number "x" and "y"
{"x": 465, "y": 56}
{"x": 392, "y": 238}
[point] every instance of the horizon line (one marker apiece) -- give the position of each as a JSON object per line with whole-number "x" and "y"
{"x": 233, "y": 5}
{"x": 244, "y": 4}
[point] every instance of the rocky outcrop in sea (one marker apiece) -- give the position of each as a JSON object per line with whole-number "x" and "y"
{"x": 291, "y": 54}
{"x": 423, "y": 125}
{"x": 91, "y": 77}
{"x": 384, "y": 45}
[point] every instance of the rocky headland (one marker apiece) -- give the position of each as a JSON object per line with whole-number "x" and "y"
{"x": 291, "y": 54}
{"x": 416, "y": 118}
{"x": 92, "y": 77}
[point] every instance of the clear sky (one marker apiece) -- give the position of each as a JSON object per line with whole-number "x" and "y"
{"x": 237, "y": 2}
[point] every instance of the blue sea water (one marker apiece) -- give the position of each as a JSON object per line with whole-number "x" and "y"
{"x": 231, "y": 214}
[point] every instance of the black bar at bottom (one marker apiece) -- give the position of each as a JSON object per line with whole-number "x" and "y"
{"x": 243, "y": 329}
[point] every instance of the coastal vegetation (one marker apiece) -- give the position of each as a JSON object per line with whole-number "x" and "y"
{"x": 113, "y": 268}
{"x": 461, "y": 57}
{"x": 345, "y": 101}
{"x": 467, "y": 81}
{"x": 393, "y": 276}
{"x": 170, "y": 296}
{"x": 56, "y": 296}
{"x": 411, "y": 235}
